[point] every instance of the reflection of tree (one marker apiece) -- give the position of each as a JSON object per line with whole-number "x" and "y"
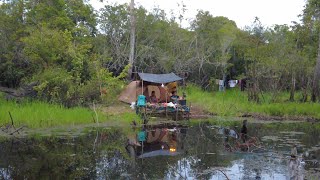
{"x": 101, "y": 154}
{"x": 61, "y": 158}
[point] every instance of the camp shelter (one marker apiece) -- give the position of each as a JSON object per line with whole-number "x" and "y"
{"x": 135, "y": 88}
{"x": 150, "y": 82}
{"x": 159, "y": 78}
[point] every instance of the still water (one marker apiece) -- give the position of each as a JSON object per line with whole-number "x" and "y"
{"x": 165, "y": 151}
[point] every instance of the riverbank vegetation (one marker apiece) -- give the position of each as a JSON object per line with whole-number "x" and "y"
{"x": 38, "y": 114}
{"x": 234, "y": 102}
{"x": 75, "y": 56}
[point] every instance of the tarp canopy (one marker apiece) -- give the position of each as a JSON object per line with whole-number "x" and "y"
{"x": 159, "y": 78}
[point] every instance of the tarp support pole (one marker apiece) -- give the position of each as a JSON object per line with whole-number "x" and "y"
{"x": 142, "y": 88}
{"x": 166, "y": 101}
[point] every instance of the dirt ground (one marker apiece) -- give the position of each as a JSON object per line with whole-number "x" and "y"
{"x": 116, "y": 109}
{"x": 196, "y": 112}
{"x": 280, "y": 118}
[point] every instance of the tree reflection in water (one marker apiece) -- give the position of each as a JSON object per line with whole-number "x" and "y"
{"x": 169, "y": 151}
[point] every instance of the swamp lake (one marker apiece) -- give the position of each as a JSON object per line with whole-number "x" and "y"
{"x": 198, "y": 150}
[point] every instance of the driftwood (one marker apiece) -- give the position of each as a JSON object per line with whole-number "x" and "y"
{"x": 24, "y": 91}
{"x": 17, "y": 130}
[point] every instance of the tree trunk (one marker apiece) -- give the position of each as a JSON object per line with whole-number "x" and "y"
{"x": 316, "y": 77}
{"x": 255, "y": 92}
{"x": 305, "y": 86}
{"x": 293, "y": 87}
{"x": 132, "y": 39}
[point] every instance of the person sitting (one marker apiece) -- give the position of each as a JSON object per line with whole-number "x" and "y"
{"x": 174, "y": 97}
{"x": 153, "y": 98}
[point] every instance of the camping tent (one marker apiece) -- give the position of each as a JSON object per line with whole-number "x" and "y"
{"x": 148, "y": 83}
{"x": 135, "y": 88}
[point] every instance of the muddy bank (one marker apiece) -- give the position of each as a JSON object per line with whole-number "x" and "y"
{"x": 199, "y": 113}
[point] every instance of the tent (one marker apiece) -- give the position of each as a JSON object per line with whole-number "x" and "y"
{"x": 135, "y": 88}
{"x": 148, "y": 83}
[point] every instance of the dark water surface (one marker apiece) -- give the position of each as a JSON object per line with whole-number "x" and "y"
{"x": 194, "y": 151}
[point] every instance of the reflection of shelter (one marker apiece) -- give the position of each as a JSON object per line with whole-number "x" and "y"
{"x": 161, "y": 141}
{"x": 162, "y": 85}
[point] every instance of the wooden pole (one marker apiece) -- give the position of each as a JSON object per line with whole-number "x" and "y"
{"x": 177, "y": 111}
{"x": 94, "y": 109}
{"x": 142, "y": 88}
{"x": 166, "y": 102}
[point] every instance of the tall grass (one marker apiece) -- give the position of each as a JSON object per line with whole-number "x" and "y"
{"x": 40, "y": 114}
{"x": 234, "y": 102}
{"x": 36, "y": 114}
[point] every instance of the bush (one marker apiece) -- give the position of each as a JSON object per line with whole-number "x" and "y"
{"x": 56, "y": 85}
{"x": 111, "y": 86}
{"x": 88, "y": 93}
{"x": 59, "y": 86}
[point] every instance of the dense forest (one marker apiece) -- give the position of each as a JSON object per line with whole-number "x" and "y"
{"x": 74, "y": 53}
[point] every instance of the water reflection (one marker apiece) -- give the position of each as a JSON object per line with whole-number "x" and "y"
{"x": 166, "y": 151}
{"x": 157, "y": 140}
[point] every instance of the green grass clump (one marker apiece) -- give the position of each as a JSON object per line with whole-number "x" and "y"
{"x": 36, "y": 114}
{"x": 234, "y": 102}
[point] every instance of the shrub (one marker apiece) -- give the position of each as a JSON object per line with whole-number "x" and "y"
{"x": 56, "y": 85}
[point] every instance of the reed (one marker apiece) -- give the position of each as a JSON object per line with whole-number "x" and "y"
{"x": 37, "y": 114}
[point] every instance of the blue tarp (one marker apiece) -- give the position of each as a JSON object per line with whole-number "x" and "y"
{"x": 159, "y": 78}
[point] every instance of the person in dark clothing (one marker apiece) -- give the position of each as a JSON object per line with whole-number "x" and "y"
{"x": 153, "y": 98}
{"x": 243, "y": 84}
{"x": 244, "y": 131}
{"x": 174, "y": 97}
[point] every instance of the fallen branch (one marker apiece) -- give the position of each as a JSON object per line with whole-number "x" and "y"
{"x": 17, "y": 130}
{"x": 223, "y": 174}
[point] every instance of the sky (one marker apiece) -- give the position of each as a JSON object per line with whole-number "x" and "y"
{"x": 243, "y": 12}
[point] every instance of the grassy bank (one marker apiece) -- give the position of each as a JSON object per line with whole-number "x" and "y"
{"x": 37, "y": 114}
{"x": 235, "y": 103}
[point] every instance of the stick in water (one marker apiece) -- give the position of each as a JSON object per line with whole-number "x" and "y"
{"x": 94, "y": 109}
{"x": 11, "y": 119}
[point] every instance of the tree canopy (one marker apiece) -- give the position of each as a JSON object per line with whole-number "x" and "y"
{"x": 91, "y": 48}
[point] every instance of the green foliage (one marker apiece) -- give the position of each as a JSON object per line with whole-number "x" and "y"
{"x": 56, "y": 42}
{"x": 113, "y": 87}
{"x": 47, "y": 47}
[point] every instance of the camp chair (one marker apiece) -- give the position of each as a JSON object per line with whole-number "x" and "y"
{"x": 141, "y": 105}
{"x": 141, "y": 101}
